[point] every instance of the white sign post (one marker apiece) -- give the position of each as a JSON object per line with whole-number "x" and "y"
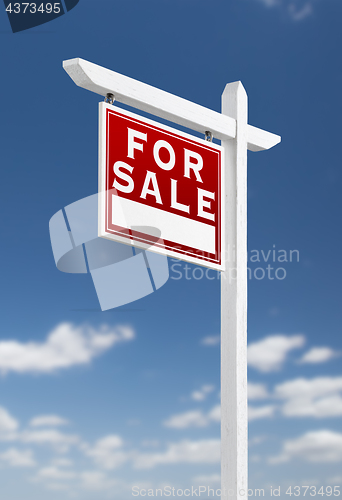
{"x": 234, "y": 409}
{"x": 236, "y": 137}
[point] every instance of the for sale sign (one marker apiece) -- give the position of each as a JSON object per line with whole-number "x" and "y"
{"x": 159, "y": 186}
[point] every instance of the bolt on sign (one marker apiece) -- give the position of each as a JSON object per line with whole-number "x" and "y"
{"x": 153, "y": 177}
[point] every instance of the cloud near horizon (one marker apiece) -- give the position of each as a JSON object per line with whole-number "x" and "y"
{"x": 322, "y": 446}
{"x": 269, "y": 354}
{"x": 320, "y": 397}
{"x": 198, "y": 418}
{"x": 205, "y": 451}
{"x": 8, "y": 423}
{"x": 202, "y": 393}
{"x": 318, "y": 355}
{"x": 17, "y": 458}
{"x": 66, "y": 346}
{"x": 48, "y": 421}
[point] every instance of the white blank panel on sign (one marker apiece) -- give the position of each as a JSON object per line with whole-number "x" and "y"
{"x": 184, "y": 232}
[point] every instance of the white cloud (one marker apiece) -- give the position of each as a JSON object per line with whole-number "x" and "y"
{"x": 194, "y": 418}
{"x": 59, "y": 487}
{"x": 256, "y": 440}
{"x": 202, "y": 393}
{"x": 206, "y": 451}
{"x": 320, "y": 408}
{"x": 55, "y": 478}
{"x": 66, "y": 346}
{"x": 62, "y": 462}
{"x": 269, "y": 354}
{"x": 61, "y": 442}
{"x": 211, "y": 340}
{"x": 197, "y": 418}
{"x": 212, "y": 478}
{"x": 318, "y": 355}
{"x": 255, "y": 413}
{"x": 7, "y": 422}
{"x": 52, "y": 437}
{"x": 96, "y": 480}
{"x": 215, "y": 414}
{"x": 150, "y": 443}
{"x": 322, "y": 446}
{"x": 18, "y": 458}
{"x": 257, "y": 391}
{"x": 48, "y": 421}
{"x": 55, "y": 473}
{"x": 334, "y": 480}
{"x": 108, "y": 453}
{"x": 301, "y": 387}
{"x": 318, "y": 397}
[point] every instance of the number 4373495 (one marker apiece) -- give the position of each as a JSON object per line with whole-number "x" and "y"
{"x": 33, "y": 8}
{"x": 313, "y": 491}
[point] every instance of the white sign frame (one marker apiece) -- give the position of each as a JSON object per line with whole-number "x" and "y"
{"x": 126, "y": 209}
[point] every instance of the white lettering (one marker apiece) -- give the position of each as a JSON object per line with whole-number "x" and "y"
{"x": 188, "y": 165}
{"x": 151, "y": 177}
{"x": 156, "y": 148}
{"x": 130, "y": 183}
{"x": 132, "y": 145}
{"x": 174, "y": 202}
{"x": 202, "y": 193}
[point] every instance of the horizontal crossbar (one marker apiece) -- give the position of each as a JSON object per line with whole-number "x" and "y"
{"x": 163, "y": 104}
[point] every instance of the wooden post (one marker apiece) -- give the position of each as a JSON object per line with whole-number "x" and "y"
{"x": 234, "y": 418}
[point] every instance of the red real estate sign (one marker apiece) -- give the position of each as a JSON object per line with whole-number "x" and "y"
{"x": 153, "y": 177}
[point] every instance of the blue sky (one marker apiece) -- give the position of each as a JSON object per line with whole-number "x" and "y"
{"x": 93, "y": 403}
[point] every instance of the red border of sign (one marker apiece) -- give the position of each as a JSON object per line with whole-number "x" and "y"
{"x": 143, "y": 240}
